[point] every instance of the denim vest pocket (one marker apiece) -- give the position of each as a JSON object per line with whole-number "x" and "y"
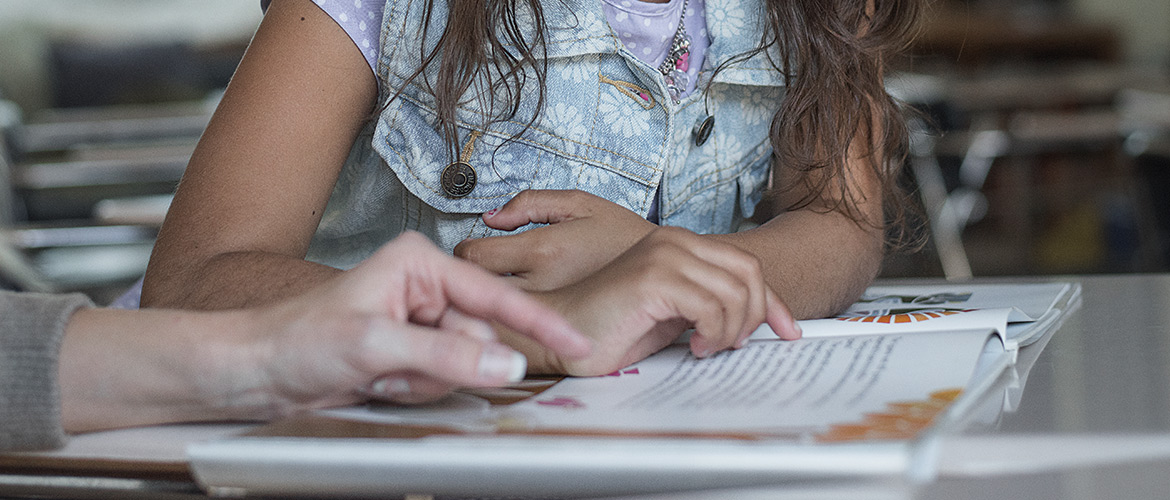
{"x": 752, "y": 184}
{"x": 596, "y": 133}
{"x": 728, "y": 172}
{"x": 416, "y": 153}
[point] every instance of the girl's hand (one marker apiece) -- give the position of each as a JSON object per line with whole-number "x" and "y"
{"x": 408, "y": 324}
{"x": 585, "y": 233}
{"x": 670, "y": 281}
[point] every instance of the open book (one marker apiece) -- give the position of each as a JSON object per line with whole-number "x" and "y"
{"x": 861, "y": 395}
{"x": 1020, "y": 313}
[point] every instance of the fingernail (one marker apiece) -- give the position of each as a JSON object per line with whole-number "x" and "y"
{"x": 796, "y": 327}
{"x": 491, "y": 213}
{"x": 390, "y": 386}
{"x": 498, "y": 362}
{"x": 743, "y": 341}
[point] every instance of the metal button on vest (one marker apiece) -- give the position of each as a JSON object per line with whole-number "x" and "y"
{"x": 458, "y": 179}
{"x": 703, "y": 129}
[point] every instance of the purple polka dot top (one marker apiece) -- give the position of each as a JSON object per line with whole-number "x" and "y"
{"x": 646, "y": 29}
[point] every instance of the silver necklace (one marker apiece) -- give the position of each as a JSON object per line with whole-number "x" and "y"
{"x": 674, "y": 67}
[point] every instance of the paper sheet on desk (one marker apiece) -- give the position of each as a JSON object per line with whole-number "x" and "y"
{"x": 769, "y": 387}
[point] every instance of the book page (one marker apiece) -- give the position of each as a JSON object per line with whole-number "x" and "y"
{"x": 893, "y": 309}
{"x": 900, "y": 320}
{"x": 775, "y": 387}
{"x": 1032, "y": 300}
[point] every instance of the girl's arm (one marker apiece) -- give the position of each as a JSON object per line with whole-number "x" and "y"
{"x": 819, "y": 261}
{"x": 261, "y": 175}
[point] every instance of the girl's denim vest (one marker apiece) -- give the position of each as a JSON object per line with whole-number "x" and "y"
{"x": 598, "y": 132}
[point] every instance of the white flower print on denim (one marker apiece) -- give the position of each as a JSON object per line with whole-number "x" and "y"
{"x": 759, "y": 106}
{"x": 636, "y": 201}
{"x": 419, "y": 156}
{"x": 413, "y": 154}
{"x": 728, "y": 18}
{"x": 683, "y": 143}
{"x": 705, "y": 197}
{"x": 581, "y": 22}
{"x": 729, "y": 146}
{"x": 567, "y": 121}
{"x": 714, "y": 159}
{"x": 616, "y": 111}
{"x": 493, "y": 158}
{"x": 589, "y": 177}
{"x": 581, "y": 69}
{"x": 708, "y": 160}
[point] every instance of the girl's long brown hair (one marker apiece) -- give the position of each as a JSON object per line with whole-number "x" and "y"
{"x": 833, "y": 53}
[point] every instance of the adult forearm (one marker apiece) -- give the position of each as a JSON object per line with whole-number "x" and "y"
{"x": 126, "y": 368}
{"x": 232, "y": 280}
{"x": 818, "y": 263}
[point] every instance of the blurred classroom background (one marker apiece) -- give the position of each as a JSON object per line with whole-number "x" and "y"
{"x": 1041, "y": 145}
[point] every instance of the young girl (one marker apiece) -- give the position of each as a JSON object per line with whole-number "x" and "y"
{"x": 496, "y": 107}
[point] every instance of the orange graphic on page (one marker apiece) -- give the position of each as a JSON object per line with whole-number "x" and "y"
{"x": 903, "y": 316}
{"x": 901, "y": 420}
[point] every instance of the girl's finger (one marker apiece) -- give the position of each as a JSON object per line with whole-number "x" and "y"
{"x": 502, "y": 255}
{"x": 540, "y": 206}
{"x": 727, "y": 292}
{"x": 776, "y": 313}
{"x": 780, "y": 318}
{"x": 455, "y": 321}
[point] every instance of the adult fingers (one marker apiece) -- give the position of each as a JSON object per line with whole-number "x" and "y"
{"x": 479, "y": 294}
{"x": 454, "y": 359}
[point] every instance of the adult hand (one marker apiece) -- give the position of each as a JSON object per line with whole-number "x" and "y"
{"x": 670, "y": 281}
{"x": 408, "y": 325}
{"x": 585, "y": 233}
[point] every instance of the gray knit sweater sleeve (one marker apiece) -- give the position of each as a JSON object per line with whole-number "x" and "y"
{"x": 31, "y": 328}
